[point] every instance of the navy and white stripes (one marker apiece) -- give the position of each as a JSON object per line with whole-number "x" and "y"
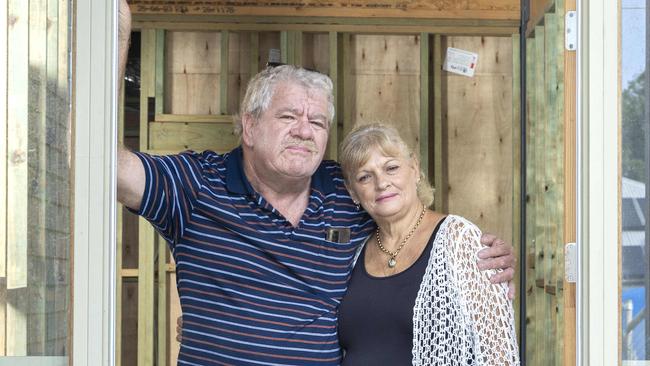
{"x": 254, "y": 289}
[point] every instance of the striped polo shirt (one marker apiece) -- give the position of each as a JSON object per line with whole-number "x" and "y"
{"x": 254, "y": 290}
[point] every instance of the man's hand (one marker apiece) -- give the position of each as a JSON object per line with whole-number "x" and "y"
{"x": 498, "y": 255}
{"x": 124, "y": 19}
{"x": 124, "y": 30}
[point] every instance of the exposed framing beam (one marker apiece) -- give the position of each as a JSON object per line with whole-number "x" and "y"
{"x": 255, "y": 53}
{"x": 162, "y": 300}
{"x": 160, "y": 71}
{"x": 424, "y": 103}
{"x": 440, "y": 194}
{"x": 177, "y": 25}
{"x": 223, "y": 79}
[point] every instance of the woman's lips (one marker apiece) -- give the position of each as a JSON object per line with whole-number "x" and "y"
{"x": 385, "y": 197}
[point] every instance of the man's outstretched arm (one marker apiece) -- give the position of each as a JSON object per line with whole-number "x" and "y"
{"x": 130, "y": 171}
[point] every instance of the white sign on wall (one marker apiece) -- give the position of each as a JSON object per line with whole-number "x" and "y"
{"x": 460, "y": 61}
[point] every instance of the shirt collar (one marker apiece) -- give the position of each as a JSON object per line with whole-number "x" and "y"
{"x": 237, "y": 182}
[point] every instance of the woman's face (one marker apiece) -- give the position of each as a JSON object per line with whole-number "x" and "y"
{"x": 385, "y": 185}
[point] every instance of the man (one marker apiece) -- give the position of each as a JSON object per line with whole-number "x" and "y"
{"x": 263, "y": 237}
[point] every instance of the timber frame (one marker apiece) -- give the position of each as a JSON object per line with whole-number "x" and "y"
{"x": 152, "y": 286}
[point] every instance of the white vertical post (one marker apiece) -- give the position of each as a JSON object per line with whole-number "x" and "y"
{"x": 598, "y": 185}
{"x": 95, "y": 121}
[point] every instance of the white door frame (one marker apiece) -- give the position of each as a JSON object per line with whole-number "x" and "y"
{"x": 598, "y": 295}
{"x": 95, "y": 139}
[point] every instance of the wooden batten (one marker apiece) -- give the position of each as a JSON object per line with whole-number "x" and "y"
{"x": 538, "y": 165}
{"x": 479, "y": 9}
{"x": 3, "y": 169}
{"x": 160, "y": 72}
{"x": 516, "y": 175}
{"x": 119, "y": 235}
{"x": 146, "y": 236}
{"x": 181, "y": 24}
{"x": 17, "y": 177}
{"x": 570, "y": 194}
{"x": 425, "y": 85}
{"x": 17, "y": 144}
{"x": 531, "y": 199}
{"x": 162, "y": 307}
{"x": 197, "y": 136}
{"x": 224, "y": 72}
{"x": 255, "y": 53}
{"x": 146, "y": 298}
{"x": 333, "y": 141}
{"x": 439, "y": 183}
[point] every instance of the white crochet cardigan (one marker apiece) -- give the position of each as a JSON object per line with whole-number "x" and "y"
{"x": 461, "y": 316}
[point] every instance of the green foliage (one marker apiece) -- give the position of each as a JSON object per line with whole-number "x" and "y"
{"x": 635, "y": 123}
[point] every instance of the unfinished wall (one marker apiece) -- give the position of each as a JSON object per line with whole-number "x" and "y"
{"x": 382, "y": 83}
{"x": 378, "y": 78}
{"x": 477, "y": 136}
{"x": 36, "y": 174}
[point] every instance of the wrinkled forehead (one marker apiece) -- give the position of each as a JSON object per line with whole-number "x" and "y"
{"x": 287, "y": 95}
{"x": 298, "y": 88}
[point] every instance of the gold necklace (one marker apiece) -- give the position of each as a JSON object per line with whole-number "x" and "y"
{"x": 392, "y": 261}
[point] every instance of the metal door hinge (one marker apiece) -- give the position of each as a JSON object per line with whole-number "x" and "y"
{"x": 571, "y": 30}
{"x": 570, "y": 263}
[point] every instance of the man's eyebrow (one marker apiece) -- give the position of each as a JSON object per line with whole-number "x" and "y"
{"x": 318, "y": 115}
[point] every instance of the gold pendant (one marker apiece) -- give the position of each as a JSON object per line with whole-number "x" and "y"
{"x": 392, "y": 262}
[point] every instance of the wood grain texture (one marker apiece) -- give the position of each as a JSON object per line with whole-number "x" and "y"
{"x": 196, "y": 136}
{"x": 570, "y": 195}
{"x": 384, "y": 84}
{"x": 146, "y": 298}
{"x": 531, "y": 199}
{"x": 265, "y": 24}
{"x": 516, "y": 176}
{"x": 478, "y": 136}
{"x": 441, "y": 9}
{"x": 192, "y": 61}
{"x": 17, "y": 144}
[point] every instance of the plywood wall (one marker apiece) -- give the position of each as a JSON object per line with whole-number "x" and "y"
{"x": 380, "y": 80}
{"x": 477, "y": 133}
{"x": 192, "y": 72}
{"x": 382, "y": 83}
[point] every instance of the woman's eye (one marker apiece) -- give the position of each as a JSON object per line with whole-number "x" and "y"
{"x": 392, "y": 168}
{"x": 363, "y": 178}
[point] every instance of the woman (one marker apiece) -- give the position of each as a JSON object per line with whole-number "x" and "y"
{"x": 416, "y": 295}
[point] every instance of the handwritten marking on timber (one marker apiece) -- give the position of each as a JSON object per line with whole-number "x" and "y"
{"x": 247, "y": 7}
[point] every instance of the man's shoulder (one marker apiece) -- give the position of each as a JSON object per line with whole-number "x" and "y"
{"x": 331, "y": 165}
{"x": 332, "y": 168}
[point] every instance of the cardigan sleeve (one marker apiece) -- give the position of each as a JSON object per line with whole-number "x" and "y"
{"x": 485, "y": 306}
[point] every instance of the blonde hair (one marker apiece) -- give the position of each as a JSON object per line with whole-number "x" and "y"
{"x": 261, "y": 88}
{"x": 358, "y": 144}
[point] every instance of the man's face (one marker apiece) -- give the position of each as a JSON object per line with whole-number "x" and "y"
{"x": 290, "y": 137}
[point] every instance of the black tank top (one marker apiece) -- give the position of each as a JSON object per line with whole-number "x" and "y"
{"x": 376, "y": 313}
